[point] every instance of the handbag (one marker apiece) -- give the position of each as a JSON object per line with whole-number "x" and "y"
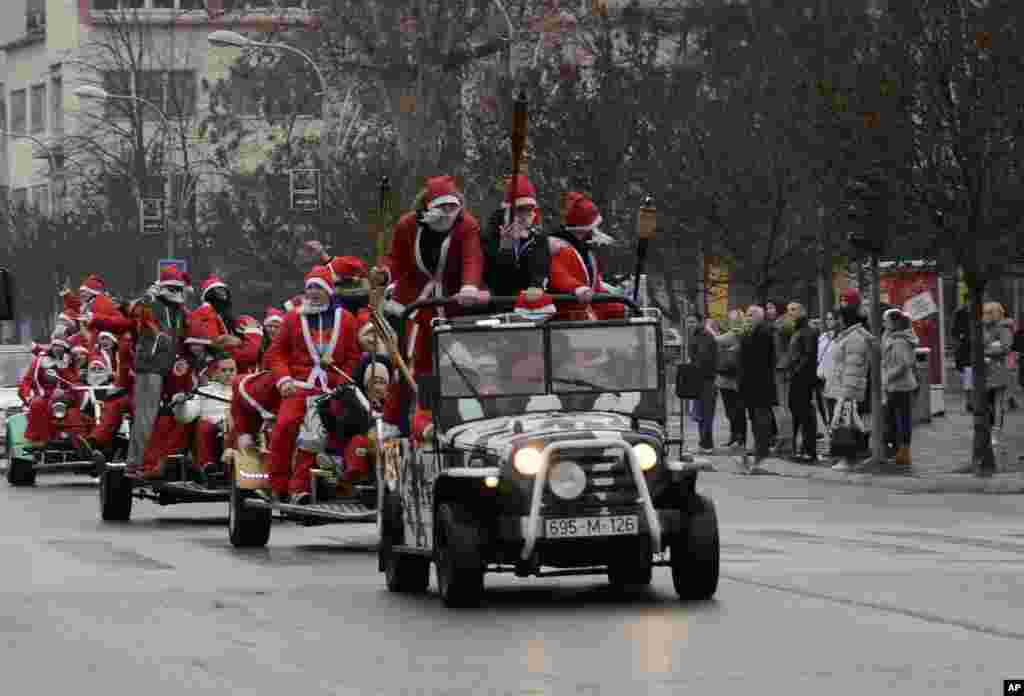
{"x": 847, "y": 432}
{"x": 689, "y": 381}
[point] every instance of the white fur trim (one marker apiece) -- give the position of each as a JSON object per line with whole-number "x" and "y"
{"x": 198, "y": 341}
{"x": 60, "y": 342}
{"x": 469, "y": 288}
{"x": 441, "y": 200}
{"x": 584, "y": 228}
{"x": 525, "y": 200}
{"x": 393, "y": 308}
{"x": 202, "y": 298}
{"x": 320, "y": 282}
{"x": 106, "y": 334}
{"x": 273, "y": 320}
{"x": 253, "y": 330}
{"x": 172, "y": 283}
{"x": 281, "y": 382}
{"x": 246, "y": 441}
{"x": 88, "y": 290}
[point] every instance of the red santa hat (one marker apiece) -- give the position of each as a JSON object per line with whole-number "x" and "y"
{"x": 581, "y": 213}
{"x": 320, "y": 277}
{"x": 274, "y": 316}
{"x": 344, "y": 268}
{"x": 200, "y": 333}
{"x": 209, "y": 284}
{"x": 171, "y": 277}
{"x": 93, "y": 285}
{"x": 250, "y": 325}
{"x": 294, "y": 303}
{"x": 526, "y": 194}
{"x": 442, "y": 190}
{"x": 543, "y": 304}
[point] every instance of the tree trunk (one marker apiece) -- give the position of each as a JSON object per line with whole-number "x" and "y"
{"x": 983, "y": 457}
{"x": 825, "y": 299}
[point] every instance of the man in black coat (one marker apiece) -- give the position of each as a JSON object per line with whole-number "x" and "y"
{"x": 803, "y": 371}
{"x": 704, "y": 355}
{"x": 516, "y": 252}
{"x": 757, "y": 380}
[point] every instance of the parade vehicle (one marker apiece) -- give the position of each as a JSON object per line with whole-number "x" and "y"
{"x": 181, "y": 482}
{"x": 15, "y": 361}
{"x": 334, "y": 500}
{"x": 549, "y": 456}
{"x": 74, "y": 410}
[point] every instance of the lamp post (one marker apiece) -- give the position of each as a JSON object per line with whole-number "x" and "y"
{"x": 100, "y": 94}
{"x": 224, "y": 37}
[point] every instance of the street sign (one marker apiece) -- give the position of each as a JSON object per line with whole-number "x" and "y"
{"x": 305, "y": 190}
{"x": 180, "y": 264}
{"x": 152, "y": 213}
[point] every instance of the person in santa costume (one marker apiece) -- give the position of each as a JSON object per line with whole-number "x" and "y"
{"x": 68, "y": 322}
{"x": 271, "y": 325}
{"x": 79, "y": 353}
{"x": 174, "y": 431}
{"x": 351, "y": 278}
{"x": 115, "y": 409}
{"x": 157, "y": 325}
{"x": 314, "y": 351}
{"x": 49, "y": 374}
{"x": 574, "y": 267}
{"x": 210, "y": 414}
{"x": 515, "y": 249}
{"x": 217, "y": 314}
{"x": 248, "y": 356}
{"x": 94, "y": 299}
{"x": 435, "y": 252}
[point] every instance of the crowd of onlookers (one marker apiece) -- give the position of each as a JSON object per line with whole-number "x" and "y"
{"x": 819, "y": 370}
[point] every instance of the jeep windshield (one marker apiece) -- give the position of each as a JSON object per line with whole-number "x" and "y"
{"x": 489, "y": 363}
{"x": 598, "y": 358}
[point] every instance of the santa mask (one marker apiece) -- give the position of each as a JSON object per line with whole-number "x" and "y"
{"x": 172, "y": 294}
{"x": 440, "y": 221}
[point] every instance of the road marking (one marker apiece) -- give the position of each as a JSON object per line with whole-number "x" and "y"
{"x": 988, "y": 544}
{"x": 104, "y": 553}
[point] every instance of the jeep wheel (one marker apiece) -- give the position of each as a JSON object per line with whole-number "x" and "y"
{"x": 632, "y": 569}
{"x": 695, "y": 554}
{"x": 115, "y": 495}
{"x": 20, "y": 472}
{"x": 460, "y": 568}
{"x": 247, "y": 527}
{"x": 402, "y": 572}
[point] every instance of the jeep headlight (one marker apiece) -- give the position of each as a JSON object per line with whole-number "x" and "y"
{"x": 59, "y": 410}
{"x": 527, "y": 461}
{"x": 646, "y": 456}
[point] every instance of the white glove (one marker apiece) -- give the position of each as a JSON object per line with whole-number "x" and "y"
{"x": 178, "y": 398}
{"x": 467, "y": 296}
{"x": 246, "y": 441}
{"x": 584, "y": 294}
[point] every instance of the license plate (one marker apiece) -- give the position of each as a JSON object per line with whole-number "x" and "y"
{"x": 574, "y": 527}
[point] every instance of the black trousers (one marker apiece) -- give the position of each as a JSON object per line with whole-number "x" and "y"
{"x": 805, "y": 420}
{"x": 736, "y": 412}
{"x": 761, "y": 422}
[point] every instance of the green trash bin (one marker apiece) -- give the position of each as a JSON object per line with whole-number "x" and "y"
{"x": 923, "y": 398}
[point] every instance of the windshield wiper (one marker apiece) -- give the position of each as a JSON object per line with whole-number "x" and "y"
{"x": 582, "y": 383}
{"x": 468, "y": 382}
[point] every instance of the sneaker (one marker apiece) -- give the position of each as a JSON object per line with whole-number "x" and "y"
{"x": 842, "y": 466}
{"x": 707, "y": 450}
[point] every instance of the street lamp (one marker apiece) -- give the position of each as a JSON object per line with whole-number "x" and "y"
{"x": 99, "y": 94}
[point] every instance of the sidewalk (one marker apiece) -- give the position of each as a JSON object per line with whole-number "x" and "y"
{"x": 940, "y": 449}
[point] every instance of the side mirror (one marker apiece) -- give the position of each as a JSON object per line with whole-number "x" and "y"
{"x": 6, "y": 296}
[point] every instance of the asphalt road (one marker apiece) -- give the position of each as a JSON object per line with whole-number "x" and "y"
{"x": 825, "y": 589}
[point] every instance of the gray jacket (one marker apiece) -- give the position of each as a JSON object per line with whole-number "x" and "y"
{"x": 729, "y": 342}
{"x": 997, "y": 340}
{"x": 898, "y": 357}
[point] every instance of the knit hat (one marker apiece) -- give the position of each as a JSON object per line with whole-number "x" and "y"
{"x": 320, "y": 276}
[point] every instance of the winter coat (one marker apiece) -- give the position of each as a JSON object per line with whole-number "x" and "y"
{"x": 729, "y": 345}
{"x": 851, "y": 361}
{"x": 246, "y": 355}
{"x": 507, "y": 272}
{"x": 293, "y": 356}
{"x": 803, "y": 353}
{"x": 574, "y": 266}
{"x": 898, "y": 351}
{"x": 704, "y": 353}
{"x": 158, "y": 328}
{"x": 757, "y": 368}
{"x": 997, "y": 339}
{"x": 826, "y": 342}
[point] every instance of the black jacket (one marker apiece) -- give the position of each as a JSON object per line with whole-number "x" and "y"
{"x": 507, "y": 273}
{"x": 803, "y": 352}
{"x": 704, "y": 353}
{"x": 757, "y": 367}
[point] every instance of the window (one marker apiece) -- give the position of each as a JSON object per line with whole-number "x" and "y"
{"x": 57, "y": 105}
{"x": 35, "y": 17}
{"x": 175, "y": 93}
{"x": 38, "y": 124}
{"x": 18, "y": 111}
{"x": 41, "y": 199}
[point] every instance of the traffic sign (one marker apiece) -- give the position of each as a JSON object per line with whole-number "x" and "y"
{"x": 180, "y": 264}
{"x": 152, "y": 218}
{"x": 305, "y": 190}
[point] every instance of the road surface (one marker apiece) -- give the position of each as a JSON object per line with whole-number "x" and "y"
{"x": 825, "y": 589}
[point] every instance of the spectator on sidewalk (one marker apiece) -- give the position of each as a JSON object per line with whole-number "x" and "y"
{"x": 704, "y": 354}
{"x": 803, "y": 368}
{"x": 850, "y": 367}
{"x": 779, "y": 335}
{"x": 826, "y": 341}
{"x": 899, "y": 382}
{"x": 997, "y": 340}
{"x": 961, "y": 334}
{"x": 757, "y": 380}
{"x": 727, "y": 381}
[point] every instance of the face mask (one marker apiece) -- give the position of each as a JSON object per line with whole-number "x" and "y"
{"x": 310, "y": 308}
{"x": 437, "y": 220}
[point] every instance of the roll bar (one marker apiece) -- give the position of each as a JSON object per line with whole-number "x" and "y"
{"x": 510, "y": 300}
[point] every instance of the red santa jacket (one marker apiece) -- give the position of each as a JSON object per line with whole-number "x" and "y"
{"x": 100, "y": 305}
{"x": 568, "y": 274}
{"x": 36, "y": 382}
{"x": 292, "y": 352}
{"x": 125, "y": 376}
{"x": 246, "y": 355}
{"x": 460, "y": 265}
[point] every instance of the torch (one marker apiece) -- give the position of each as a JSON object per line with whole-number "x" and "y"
{"x": 520, "y": 119}
{"x": 646, "y": 224}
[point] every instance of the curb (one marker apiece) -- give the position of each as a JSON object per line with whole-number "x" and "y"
{"x": 1010, "y": 483}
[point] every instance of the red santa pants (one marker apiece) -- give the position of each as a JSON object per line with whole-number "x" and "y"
{"x": 114, "y": 413}
{"x": 286, "y": 477}
{"x": 206, "y": 449}
{"x": 168, "y": 437}
{"x": 246, "y": 419}
{"x": 42, "y": 427}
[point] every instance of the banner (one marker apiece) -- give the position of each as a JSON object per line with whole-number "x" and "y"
{"x": 716, "y": 285}
{"x": 915, "y": 288}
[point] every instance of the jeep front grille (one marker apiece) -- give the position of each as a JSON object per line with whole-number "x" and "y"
{"x": 610, "y": 483}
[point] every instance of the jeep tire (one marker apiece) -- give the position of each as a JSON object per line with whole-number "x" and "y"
{"x": 248, "y": 527}
{"x": 21, "y": 472}
{"x": 403, "y": 572}
{"x": 632, "y": 568}
{"x": 457, "y": 557}
{"x": 115, "y": 495}
{"x": 695, "y": 553}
